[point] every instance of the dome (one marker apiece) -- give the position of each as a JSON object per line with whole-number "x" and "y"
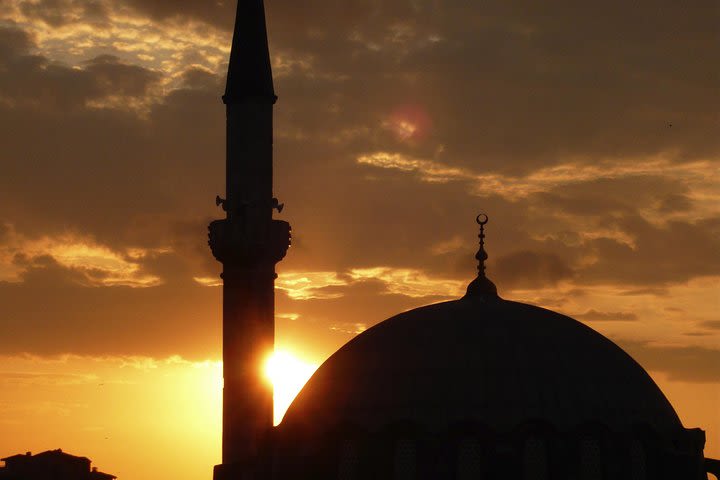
{"x": 482, "y": 387}
{"x": 486, "y": 360}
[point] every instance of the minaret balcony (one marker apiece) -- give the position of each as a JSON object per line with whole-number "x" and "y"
{"x": 233, "y": 242}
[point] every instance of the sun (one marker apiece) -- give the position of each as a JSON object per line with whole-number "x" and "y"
{"x": 287, "y": 374}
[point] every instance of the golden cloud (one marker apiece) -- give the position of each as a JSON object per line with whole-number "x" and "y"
{"x": 168, "y": 46}
{"x": 209, "y": 281}
{"x": 400, "y": 281}
{"x": 410, "y": 282}
{"x": 99, "y": 265}
{"x": 310, "y": 285}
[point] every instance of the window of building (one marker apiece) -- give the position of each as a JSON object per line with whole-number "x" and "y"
{"x": 405, "y": 460}
{"x": 535, "y": 462}
{"x": 349, "y": 461}
{"x": 637, "y": 461}
{"x": 591, "y": 467}
{"x": 470, "y": 460}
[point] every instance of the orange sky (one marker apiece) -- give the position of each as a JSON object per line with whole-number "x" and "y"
{"x": 588, "y": 133}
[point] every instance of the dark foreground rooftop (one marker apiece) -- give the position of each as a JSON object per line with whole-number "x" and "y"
{"x": 50, "y": 465}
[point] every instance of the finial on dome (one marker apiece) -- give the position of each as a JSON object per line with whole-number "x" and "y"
{"x": 481, "y": 254}
{"x": 481, "y": 285}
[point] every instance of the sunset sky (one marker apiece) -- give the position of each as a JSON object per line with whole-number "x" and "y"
{"x": 587, "y": 131}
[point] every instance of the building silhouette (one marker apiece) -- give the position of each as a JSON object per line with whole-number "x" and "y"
{"x": 50, "y": 465}
{"x": 476, "y": 388}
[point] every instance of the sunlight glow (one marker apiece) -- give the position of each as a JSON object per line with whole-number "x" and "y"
{"x": 288, "y": 374}
{"x": 404, "y": 129}
{"x": 409, "y": 122}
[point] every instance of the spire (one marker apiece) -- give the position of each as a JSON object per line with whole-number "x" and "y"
{"x": 249, "y": 71}
{"x": 481, "y": 285}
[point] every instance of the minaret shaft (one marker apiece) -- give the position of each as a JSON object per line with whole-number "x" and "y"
{"x": 248, "y": 337}
{"x": 248, "y": 242}
{"x": 248, "y": 280}
{"x": 249, "y": 168}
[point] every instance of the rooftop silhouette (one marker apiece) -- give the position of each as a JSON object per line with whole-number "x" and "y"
{"x": 50, "y": 465}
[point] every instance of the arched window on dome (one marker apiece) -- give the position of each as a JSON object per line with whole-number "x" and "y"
{"x": 349, "y": 461}
{"x": 591, "y": 467}
{"x": 535, "y": 461}
{"x": 637, "y": 461}
{"x": 405, "y": 460}
{"x": 469, "y": 460}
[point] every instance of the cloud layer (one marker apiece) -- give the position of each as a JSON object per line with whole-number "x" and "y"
{"x": 587, "y": 135}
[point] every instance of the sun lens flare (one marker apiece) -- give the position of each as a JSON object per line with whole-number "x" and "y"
{"x": 409, "y": 122}
{"x": 287, "y": 374}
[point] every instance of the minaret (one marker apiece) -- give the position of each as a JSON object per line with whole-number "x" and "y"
{"x": 248, "y": 242}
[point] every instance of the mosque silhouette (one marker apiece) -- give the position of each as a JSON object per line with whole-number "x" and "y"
{"x": 476, "y": 388}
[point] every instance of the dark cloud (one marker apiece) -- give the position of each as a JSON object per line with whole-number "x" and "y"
{"x": 674, "y": 202}
{"x": 522, "y": 74}
{"x": 675, "y": 252}
{"x": 527, "y": 269}
{"x": 217, "y": 12}
{"x": 596, "y": 316}
{"x": 688, "y": 364}
{"x": 607, "y": 220}
{"x": 57, "y": 13}
{"x": 517, "y": 75}
{"x": 195, "y": 78}
{"x": 324, "y": 325}
{"x": 112, "y": 77}
{"x": 34, "y": 81}
{"x": 552, "y": 303}
{"x": 711, "y": 324}
{"x": 13, "y": 41}
{"x": 187, "y": 240}
{"x": 106, "y": 172}
{"x": 45, "y": 271}
{"x": 53, "y": 311}
{"x": 606, "y": 198}
{"x": 4, "y": 232}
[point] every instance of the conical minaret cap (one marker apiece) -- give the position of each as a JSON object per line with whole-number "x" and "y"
{"x": 249, "y": 70}
{"x": 481, "y": 286}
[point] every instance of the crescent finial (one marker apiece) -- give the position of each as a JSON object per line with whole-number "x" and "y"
{"x": 481, "y": 285}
